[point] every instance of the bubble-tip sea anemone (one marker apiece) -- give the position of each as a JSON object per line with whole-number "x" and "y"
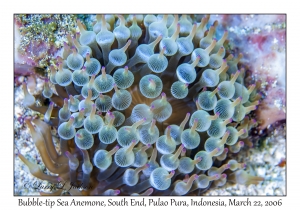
{"x": 135, "y": 138}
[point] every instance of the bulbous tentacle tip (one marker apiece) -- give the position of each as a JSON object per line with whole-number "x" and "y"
{"x": 72, "y": 118}
{"x": 152, "y": 107}
{"x": 74, "y": 49}
{"x": 216, "y": 23}
{"x": 59, "y": 179}
{"x": 150, "y": 190}
{"x": 227, "y": 166}
{"x": 117, "y": 192}
{"x": 68, "y": 154}
{"x": 186, "y": 177}
{"x": 254, "y": 121}
{"x": 199, "y": 159}
{"x": 223, "y": 176}
{"x": 216, "y": 176}
{"x": 188, "y": 114}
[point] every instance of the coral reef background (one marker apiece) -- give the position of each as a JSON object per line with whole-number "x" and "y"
{"x": 266, "y": 36}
